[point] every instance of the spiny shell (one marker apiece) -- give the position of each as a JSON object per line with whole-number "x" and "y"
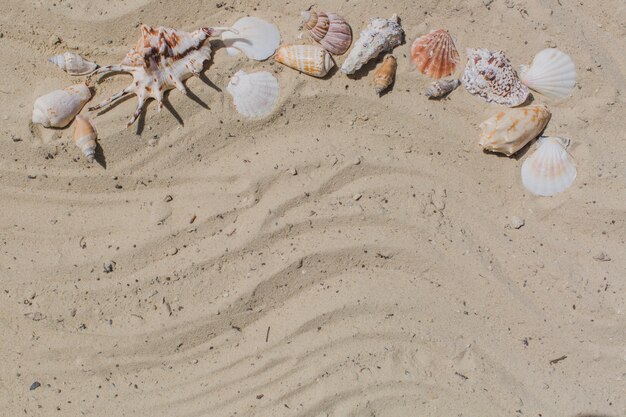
{"x": 509, "y": 131}
{"x": 379, "y": 35}
{"x": 58, "y": 108}
{"x": 491, "y": 76}
{"x": 434, "y": 54}
{"x": 255, "y": 37}
{"x": 73, "y": 64}
{"x": 85, "y": 136}
{"x": 329, "y": 30}
{"x": 254, "y": 94}
{"x": 552, "y": 73}
{"x": 385, "y": 74}
{"x": 440, "y": 88}
{"x": 309, "y": 59}
{"x": 550, "y": 169}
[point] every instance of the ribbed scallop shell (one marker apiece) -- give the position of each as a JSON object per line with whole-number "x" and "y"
{"x": 58, "y": 108}
{"x": 509, "y": 131}
{"x": 550, "y": 169}
{"x": 329, "y": 30}
{"x": 85, "y": 136}
{"x": 552, "y": 73}
{"x": 73, "y": 64}
{"x": 309, "y": 59}
{"x": 255, "y": 37}
{"x": 254, "y": 94}
{"x": 440, "y": 88}
{"x": 434, "y": 54}
{"x": 385, "y": 74}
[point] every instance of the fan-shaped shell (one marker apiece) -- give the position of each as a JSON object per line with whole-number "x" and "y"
{"x": 255, "y": 37}
{"x": 85, "y": 136}
{"x": 329, "y": 30}
{"x": 254, "y": 94}
{"x": 385, "y": 74}
{"x": 309, "y": 59}
{"x": 434, "y": 54}
{"x": 550, "y": 169}
{"x": 58, "y": 108}
{"x": 552, "y": 73}
{"x": 73, "y": 64}
{"x": 509, "y": 131}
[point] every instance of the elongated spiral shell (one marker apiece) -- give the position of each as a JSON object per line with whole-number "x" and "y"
{"x": 385, "y": 74}
{"x": 73, "y": 64}
{"x": 58, "y": 108}
{"x": 85, "y": 136}
{"x": 550, "y": 169}
{"x": 435, "y": 55}
{"x": 309, "y": 59}
{"x": 440, "y": 88}
{"x": 329, "y": 30}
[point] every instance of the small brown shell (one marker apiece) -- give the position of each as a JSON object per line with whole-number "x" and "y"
{"x": 385, "y": 74}
{"x": 329, "y": 30}
{"x": 85, "y": 137}
{"x": 309, "y": 59}
{"x": 434, "y": 54}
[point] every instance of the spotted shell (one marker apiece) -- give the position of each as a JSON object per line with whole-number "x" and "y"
{"x": 329, "y": 30}
{"x": 550, "y": 169}
{"x": 434, "y": 54}
{"x": 309, "y": 59}
{"x": 385, "y": 74}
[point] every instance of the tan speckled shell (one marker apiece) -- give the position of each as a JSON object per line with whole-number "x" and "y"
{"x": 309, "y": 59}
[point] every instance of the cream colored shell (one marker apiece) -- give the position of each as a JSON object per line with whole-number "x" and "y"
{"x": 58, "y": 108}
{"x": 309, "y": 59}
{"x": 85, "y": 136}
{"x": 550, "y": 169}
{"x": 73, "y": 64}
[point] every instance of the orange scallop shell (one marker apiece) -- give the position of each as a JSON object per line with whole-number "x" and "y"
{"x": 434, "y": 54}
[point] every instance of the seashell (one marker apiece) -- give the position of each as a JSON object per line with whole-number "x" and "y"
{"x": 162, "y": 59}
{"x": 550, "y": 169}
{"x": 255, "y": 37}
{"x": 379, "y": 35}
{"x": 85, "y": 136}
{"x": 440, "y": 88}
{"x": 73, "y": 64}
{"x": 309, "y": 59}
{"x": 385, "y": 74}
{"x": 434, "y": 54}
{"x": 254, "y": 94}
{"x": 552, "y": 73}
{"x": 329, "y": 30}
{"x": 58, "y": 108}
{"x": 509, "y": 131}
{"x": 491, "y": 76}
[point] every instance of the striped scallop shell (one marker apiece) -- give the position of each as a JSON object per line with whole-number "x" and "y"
{"x": 255, "y": 37}
{"x": 550, "y": 169}
{"x": 434, "y": 54}
{"x": 73, "y": 64}
{"x": 254, "y": 94}
{"x": 329, "y": 30}
{"x": 309, "y": 59}
{"x": 552, "y": 73}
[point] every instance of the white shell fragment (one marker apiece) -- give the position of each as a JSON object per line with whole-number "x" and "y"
{"x": 552, "y": 74}
{"x": 550, "y": 169}
{"x": 85, "y": 136}
{"x": 73, "y": 64}
{"x": 254, "y": 94}
{"x": 255, "y": 37}
{"x": 58, "y": 108}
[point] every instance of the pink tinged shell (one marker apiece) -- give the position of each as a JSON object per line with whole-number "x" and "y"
{"x": 550, "y": 169}
{"x": 490, "y": 75}
{"x": 309, "y": 59}
{"x": 329, "y": 30}
{"x": 255, "y": 37}
{"x": 85, "y": 136}
{"x": 58, "y": 108}
{"x": 435, "y": 55}
{"x": 73, "y": 64}
{"x": 254, "y": 94}
{"x": 552, "y": 74}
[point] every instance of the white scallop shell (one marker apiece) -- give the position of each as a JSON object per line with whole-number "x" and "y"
{"x": 550, "y": 169}
{"x": 58, "y": 108}
{"x": 73, "y": 64}
{"x": 256, "y": 38}
{"x": 552, "y": 73}
{"x": 254, "y": 94}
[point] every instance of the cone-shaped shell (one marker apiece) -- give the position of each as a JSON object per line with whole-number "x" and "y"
{"x": 509, "y": 131}
{"x": 440, "y": 88}
{"x": 552, "y": 74}
{"x": 550, "y": 169}
{"x": 85, "y": 136}
{"x": 73, "y": 64}
{"x": 385, "y": 74}
{"x": 435, "y": 55}
{"x": 58, "y": 108}
{"x": 309, "y": 59}
{"x": 254, "y": 94}
{"x": 329, "y": 30}
{"x": 255, "y": 37}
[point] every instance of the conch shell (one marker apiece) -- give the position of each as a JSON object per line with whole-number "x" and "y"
{"x": 329, "y": 30}
{"x": 58, "y": 108}
{"x": 73, "y": 64}
{"x": 309, "y": 59}
{"x": 385, "y": 75}
{"x": 85, "y": 136}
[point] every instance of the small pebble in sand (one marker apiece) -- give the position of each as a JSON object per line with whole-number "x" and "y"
{"x": 109, "y": 267}
{"x": 517, "y": 222}
{"x": 293, "y": 171}
{"x": 35, "y": 385}
{"x": 54, "y": 40}
{"x": 602, "y": 257}
{"x": 357, "y": 160}
{"x": 357, "y": 197}
{"x": 168, "y": 198}
{"x": 487, "y": 2}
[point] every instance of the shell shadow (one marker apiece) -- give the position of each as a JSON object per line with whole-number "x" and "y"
{"x": 99, "y": 156}
{"x": 367, "y": 68}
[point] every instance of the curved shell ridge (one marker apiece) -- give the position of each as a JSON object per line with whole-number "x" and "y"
{"x": 550, "y": 169}
{"x": 254, "y": 94}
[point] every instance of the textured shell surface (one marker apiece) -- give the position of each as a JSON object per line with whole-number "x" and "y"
{"x": 256, "y": 38}
{"x": 379, "y": 35}
{"x": 85, "y": 136}
{"x": 58, "y": 108}
{"x": 385, "y": 74}
{"x": 162, "y": 59}
{"x": 552, "y": 74}
{"x": 309, "y": 59}
{"x": 254, "y": 94}
{"x": 435, "y": 54}
{"x": 550, "y": 169}
{"x": 73, "y": 64}
{"x": 329, "y": 30}
{"x": 509, "y": 131}
{"x": 490, "y": 75}
{"x": 440, "y": 88}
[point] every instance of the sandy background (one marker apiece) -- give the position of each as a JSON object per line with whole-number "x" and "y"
{"x": 385, "y": 269}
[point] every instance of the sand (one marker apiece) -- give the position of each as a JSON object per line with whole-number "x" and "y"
{"x": 349, "y": 255}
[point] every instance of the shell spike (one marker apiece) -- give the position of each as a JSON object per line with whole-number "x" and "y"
{"x": 218, "y": 31}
